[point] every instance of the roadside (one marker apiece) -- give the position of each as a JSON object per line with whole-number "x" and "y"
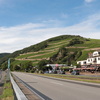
{"x": 2, "y": 78}
{"x": 95, "y": 74}
{"x": 82, "y": 78}
{"x": 6, "y": 91}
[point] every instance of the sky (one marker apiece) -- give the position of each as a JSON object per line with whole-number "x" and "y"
{"x": 27, "y": 22}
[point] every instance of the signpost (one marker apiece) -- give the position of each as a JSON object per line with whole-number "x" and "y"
{"x": 9, "y": 63}
{"x": 8, "y": 71}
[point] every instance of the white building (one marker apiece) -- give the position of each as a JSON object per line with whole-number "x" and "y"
{"x": 93, "y": 60}
{"x": 54, "y": 66}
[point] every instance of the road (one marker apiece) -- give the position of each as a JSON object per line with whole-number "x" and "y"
{"x": 59, "y": 90}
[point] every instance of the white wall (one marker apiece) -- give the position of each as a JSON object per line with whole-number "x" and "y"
{"x": 81, "y": 62}
{"x": 96, "y": 53}
{"x": 98, "y": 60}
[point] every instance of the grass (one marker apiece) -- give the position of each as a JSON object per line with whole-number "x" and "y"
{"x": 93, "y": 43}
{"x": 50, "y": 47}
{"x": 7, "y": 92}
{"x": 76, "y": 78}
{"x": 43, "y": 56}
{"x": 60, "y": 41}
{"x": 18, "y": 62}
{"x": 84, "y": 55}
{"x": 32, "y": 54}
{"x": 58, "y": 44}
{"x": 35, "y": 53}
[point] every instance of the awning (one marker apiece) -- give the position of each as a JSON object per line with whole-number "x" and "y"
{"x": 91, "y": 68}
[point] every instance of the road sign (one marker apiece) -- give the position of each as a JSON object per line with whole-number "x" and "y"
{"x": 8, "y": 63}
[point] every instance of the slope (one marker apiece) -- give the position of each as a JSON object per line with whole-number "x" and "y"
{"x": 62, "y": 49}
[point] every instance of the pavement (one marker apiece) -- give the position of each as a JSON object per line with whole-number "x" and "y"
{"x": 56, "y": 89}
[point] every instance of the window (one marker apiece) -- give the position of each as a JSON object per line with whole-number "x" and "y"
{"x": 84, "y": 62}
{"x": 98, "y": 58}
{"x": 80, "y": 63}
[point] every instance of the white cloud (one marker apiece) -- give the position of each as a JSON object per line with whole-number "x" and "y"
{"x": 89, "y": 1}
{"x": 18, "y": 37}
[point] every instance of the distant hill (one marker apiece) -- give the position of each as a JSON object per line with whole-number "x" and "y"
{"x": 64, "y": 49}
{"x": 3, "y": 55}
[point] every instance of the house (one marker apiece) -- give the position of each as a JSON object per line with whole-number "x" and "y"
{"x": 93, "y": 60}
{"x": 54, "y": 66}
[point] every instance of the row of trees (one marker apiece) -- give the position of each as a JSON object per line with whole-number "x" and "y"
{"x": 26, "y": 66}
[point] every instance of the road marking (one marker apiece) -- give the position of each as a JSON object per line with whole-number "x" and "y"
{"x": 56, "y": 83}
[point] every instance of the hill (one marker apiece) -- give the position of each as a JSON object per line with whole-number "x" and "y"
{"x": 65, "y": 49}
{"x": 3, "y": 55}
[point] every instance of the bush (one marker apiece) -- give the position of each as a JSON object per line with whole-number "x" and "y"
{"x": 75, "y": 41}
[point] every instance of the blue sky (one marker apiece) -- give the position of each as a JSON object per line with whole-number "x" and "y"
{"x": 27, "y": 22}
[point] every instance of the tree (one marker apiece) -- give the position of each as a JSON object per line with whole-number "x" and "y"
{"x": 27, "y": 66}
{"x": 75, "y": 41}
{"x": 41, "y": 65}
{"x": 78, "y": 66}
{"x": 4, "y": 66}
{"x": 16, "y": 67}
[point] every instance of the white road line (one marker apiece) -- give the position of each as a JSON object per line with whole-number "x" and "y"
{"x": 56, "y": 83}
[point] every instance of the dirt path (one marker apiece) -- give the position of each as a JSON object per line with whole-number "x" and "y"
{"x": 91, "y": 49}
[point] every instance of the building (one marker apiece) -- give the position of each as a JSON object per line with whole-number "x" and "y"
{"x": 54, "y": 66}
{"x": 93, "y": 60}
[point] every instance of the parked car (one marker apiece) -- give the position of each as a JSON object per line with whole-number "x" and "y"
{"x": 75, "y": 72}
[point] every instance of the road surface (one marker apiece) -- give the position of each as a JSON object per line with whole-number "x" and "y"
{"x": 59, "y": 90}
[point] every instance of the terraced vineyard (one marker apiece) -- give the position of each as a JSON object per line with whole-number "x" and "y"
{"x": 65, "y": 49}
{"x": 44, "y": 54}
{"x": 54, "y": 46}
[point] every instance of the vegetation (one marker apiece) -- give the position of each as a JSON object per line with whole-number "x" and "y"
{"x": 65, "y": 49}
{"x": 4, "y": 54}
{"x": 74, "y": 77}
{"x": 63, "y": 37}
{"x": 7, "y": 92}
{"x": 75, "y": 41}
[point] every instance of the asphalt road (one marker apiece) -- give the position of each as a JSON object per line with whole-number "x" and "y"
{"x": 59, "y": 90}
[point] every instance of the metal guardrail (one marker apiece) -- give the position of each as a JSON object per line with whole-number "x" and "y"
{"x": 19, "y": 94}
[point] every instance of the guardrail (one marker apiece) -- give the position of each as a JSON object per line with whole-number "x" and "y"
{"x": 19, "y": 94}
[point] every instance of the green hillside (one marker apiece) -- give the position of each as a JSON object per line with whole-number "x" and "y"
{"x": 65, "y": 49}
